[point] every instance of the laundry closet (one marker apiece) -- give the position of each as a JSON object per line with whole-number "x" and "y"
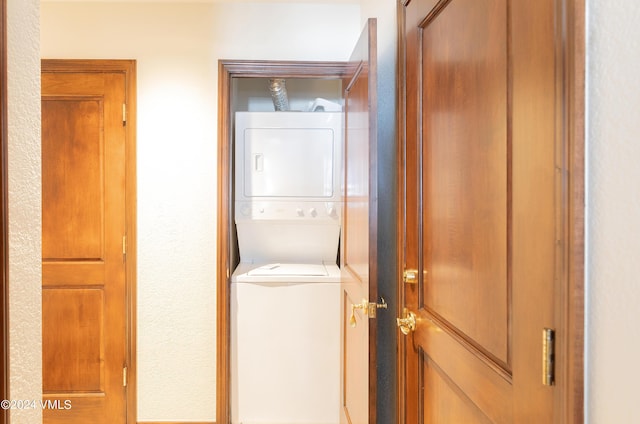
{"x": 287, "y": 144}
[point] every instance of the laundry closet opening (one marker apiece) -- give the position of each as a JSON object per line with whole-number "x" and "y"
{"x": 279, "y": 222}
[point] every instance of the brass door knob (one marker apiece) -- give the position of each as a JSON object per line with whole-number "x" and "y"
{"x": 407, "y": 323}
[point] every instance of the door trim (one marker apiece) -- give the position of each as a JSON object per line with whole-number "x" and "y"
{"x": 569, "y": 399}
{"x": 128, "y": 68}
{"x": 401, "y": 94}
{"x": 227, "y": 256}
{"x": 572, "y": 308}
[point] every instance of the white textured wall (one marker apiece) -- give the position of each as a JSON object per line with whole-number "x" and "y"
{"x": 613, "y": 346}
{"x": 177, "y": 47}
{"x": 25, "y": 271}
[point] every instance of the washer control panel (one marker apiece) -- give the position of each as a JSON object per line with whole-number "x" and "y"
{"x": 287, "y": 211}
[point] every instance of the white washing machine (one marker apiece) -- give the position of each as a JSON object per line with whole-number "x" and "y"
{"x": 285, "y": 344}
{"x": 285, "y": 293}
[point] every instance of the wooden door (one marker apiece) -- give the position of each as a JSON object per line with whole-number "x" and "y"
{"x": 84, "y": 293}
{"x": 359, "y": 236}
{"x": 483, "y": 190}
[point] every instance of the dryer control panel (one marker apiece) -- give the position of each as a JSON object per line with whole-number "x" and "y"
{"x": 287, "y": 211}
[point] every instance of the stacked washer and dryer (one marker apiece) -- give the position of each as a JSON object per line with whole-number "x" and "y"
{"x": 285, "y": 292}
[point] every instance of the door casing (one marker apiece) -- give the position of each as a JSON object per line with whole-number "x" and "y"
{"x": 227, "y": 257}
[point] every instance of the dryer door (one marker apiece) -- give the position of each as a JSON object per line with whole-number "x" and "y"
{"x": 284, "y": 155}
{"x": 288, "y": 162}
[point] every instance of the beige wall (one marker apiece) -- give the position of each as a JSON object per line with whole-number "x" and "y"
{"x": 25, "y": 274}
{"x": 177, "y": 47}
{"x": 613, "y": 261}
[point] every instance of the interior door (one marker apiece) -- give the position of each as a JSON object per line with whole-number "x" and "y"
{"x": 482, "y": 233}
{"x": 359, "y": 236}
{"x": 83, "y": 257}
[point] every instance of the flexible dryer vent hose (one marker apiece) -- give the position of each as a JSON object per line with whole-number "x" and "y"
{"x": 279, "y": 94}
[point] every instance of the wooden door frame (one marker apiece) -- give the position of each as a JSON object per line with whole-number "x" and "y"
{"x": 569, "y": 305}
{"x": 4, "y": 224}
{"x": 128, "y": 69}
{"x": 227, "y": 71}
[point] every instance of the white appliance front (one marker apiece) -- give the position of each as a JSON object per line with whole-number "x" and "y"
{"x": 285, "y": 296}
{"x": 285, "y": 345}
{"x": 287, "y": 186}
{"x": 280, "y": 232}
{"x": 285, "y": 155}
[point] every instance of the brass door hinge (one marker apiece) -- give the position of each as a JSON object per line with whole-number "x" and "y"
{"x": 124, "y": 376}
{"x": 124, "y": 114}
{"x": 124, "y": 248}
{"x": 548, "y": 356}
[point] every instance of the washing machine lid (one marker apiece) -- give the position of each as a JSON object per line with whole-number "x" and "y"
{"x": 302, "y": 270}
{"x": 286, "y": 273}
